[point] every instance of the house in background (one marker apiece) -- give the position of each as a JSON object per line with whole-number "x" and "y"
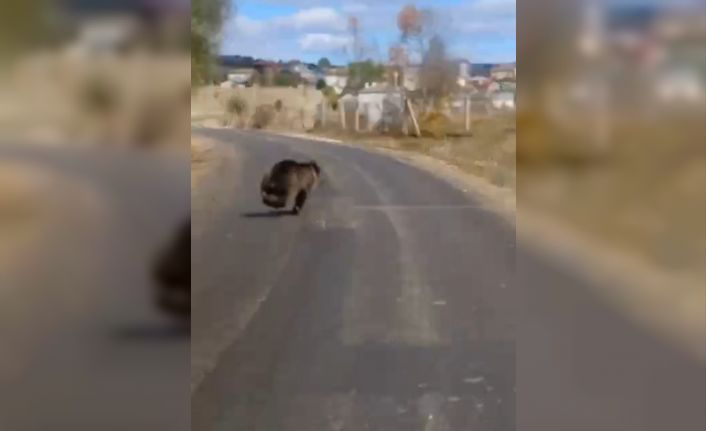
{"x": 463, "y": 70}
{"x": 481, "y": 69}
{"x": 100, "y": 34}
{"x": 265, "y": 72}
{"x": 467, "y": 75}
{"x": 309, "y": 73}
{"x": 478, "y": 81}
{"x": 117, "y": 26}
{"x": 503, "y": 100}
{"x": 507, "y": 85}
{"x": 411, "y": 77}
{"x": 382, "y": 105}
{"x": 239, "y": 77}
{"x": 504, "y": 71}
{"x": 336, "y": 78}
{"x": 485, "y": 86}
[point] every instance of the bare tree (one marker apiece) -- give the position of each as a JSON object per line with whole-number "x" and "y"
{"x": 361, "y": 67}
{"x": 417, "y": 27}
{"x": 357, "y": 48}
{"x": 420, "y": 34}
{"x": 398, "y": 55}
{"x": 437, "y": 75}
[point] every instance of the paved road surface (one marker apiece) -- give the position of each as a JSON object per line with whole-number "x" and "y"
{"x": 82, "y": 346}
{"x": 364, "y": 320}
{"x": 391, "y": 303}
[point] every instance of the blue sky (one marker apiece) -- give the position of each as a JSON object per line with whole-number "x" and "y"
{"x": 478, "y": 30}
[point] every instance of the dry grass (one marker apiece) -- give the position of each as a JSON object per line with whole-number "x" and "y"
{"x": 136, "y": 100}
{"x": 643, "y": 191}
{"x": 487, "y": 152}
{"x": 209, "y": 105}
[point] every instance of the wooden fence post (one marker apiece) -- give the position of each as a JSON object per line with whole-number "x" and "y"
{"x": 467, "y": 112}
{"x": 357, "y": 118}
{"x": 414, "y": 119}
{"x": 324, "y": 109}
{"x": 342, "y": 113}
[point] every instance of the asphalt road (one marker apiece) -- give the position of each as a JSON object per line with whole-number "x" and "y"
{"x": 83, "y": 348}
{"x": 392, "y": 303}
{"x": 374, "y": 312}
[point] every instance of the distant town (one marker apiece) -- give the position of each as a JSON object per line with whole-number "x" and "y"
{"x": 494, "y": 81}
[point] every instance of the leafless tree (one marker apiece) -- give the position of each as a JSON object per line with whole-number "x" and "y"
{"x": 437, "y": 74}
{"x": 417, "y": 28}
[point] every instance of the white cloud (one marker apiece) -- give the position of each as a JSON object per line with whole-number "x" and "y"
{"x": 478, "y": 28}
{"x": 323, "y": 42}
{"x": 487, "y": 17}
{"x": 500, "y": 27}
{"x": 335, "y": 3}
{"x": 308, "y": 30}
{"x": 320, "y": 18}
{"x": 244, "y": 26}
{"x": 307, "y": 20}
{"x": 494, "y": 7}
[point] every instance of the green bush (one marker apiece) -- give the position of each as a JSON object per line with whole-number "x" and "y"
{"x": 207, "y": 18}
{"x": 286, "y": 79}
{"x": 331, "y": 97}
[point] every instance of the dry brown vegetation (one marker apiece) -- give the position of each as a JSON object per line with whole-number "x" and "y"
{"x": 487, "y": 151}
{"x": 209, "y": 106}
{"x": 264, "y": 116}
{"x": 137, "y": 100}
{"x": 643, "y": 191}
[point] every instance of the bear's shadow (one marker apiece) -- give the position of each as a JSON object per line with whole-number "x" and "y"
{"x": 268, "y": 214}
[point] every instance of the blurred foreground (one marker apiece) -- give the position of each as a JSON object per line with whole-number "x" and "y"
{"x": 94, "y": 181}
{"x": 612, "y": 142}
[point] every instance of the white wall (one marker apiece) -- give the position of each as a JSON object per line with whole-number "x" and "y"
{"x": 371, "y": 106}
{"x": 504, "y": 101}
{"x": 337, "y": 82}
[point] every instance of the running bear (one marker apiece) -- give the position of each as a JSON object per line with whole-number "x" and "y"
{"x": 289, "y": 179}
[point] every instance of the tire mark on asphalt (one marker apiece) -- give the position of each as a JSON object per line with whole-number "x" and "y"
{"x": 415, "y": 322}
